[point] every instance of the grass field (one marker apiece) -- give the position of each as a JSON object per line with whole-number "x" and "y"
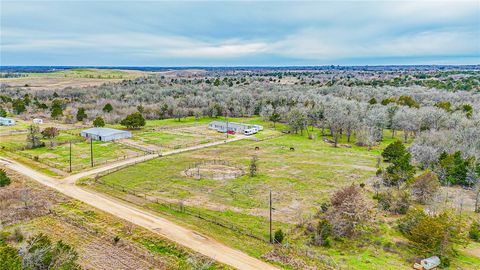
{"x": 70, "y": 78}
{"x": 102, "y": 152}
{"x": 89, "y": 231}
{"x": 300, "y": 180}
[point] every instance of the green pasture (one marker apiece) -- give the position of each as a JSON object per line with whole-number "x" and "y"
{"x": 102, "y": 152}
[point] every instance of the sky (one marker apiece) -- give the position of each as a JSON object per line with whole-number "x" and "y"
{"x": 238, "y": 33}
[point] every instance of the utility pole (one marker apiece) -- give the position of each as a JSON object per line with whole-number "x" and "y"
{"x": 270, "y": 208}
{"x": 91, "y": 151}
{"x": 70, "y": 156}
{"x": 226, "y": 117}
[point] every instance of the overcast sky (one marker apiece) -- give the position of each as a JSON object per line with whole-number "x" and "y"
{"x": 239, "y": 33}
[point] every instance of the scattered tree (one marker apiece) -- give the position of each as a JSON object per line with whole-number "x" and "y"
{"x": 81, "y": 115}
{"x": 425, "y": 186}
{"x": 56, "y": 109}
{"x": 50, "y": 132}
{"x": 98, "y": 122}
{"x": 34, "y": 137}
{"x": 349, "y": 211}
{"x": 107, "y": 108}
{"x": 134, "y": 120}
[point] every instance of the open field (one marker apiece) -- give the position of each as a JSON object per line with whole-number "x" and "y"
{"x": 70, "y": 78}
{"x": 174, "y": 137}
{"x": 102, "y": 152}
{"x": 89, "y": 231}
{"x": 300, "y": 180}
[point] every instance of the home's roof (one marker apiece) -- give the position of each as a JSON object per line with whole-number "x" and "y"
{"x": 4, "y": 118}
{"x": 231, "y": 123}
{"x": 104, "y": 131}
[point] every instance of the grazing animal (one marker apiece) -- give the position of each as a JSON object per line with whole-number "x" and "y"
{"x": 292, "y": 149}
{"x": 257, "y": 148}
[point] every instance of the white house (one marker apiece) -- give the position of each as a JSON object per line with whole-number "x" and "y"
{"x": 246, "y": 129}
{"x": 38, "y": 121}
{"x": 105, "y": 134}
{"x": 6, "y": 121}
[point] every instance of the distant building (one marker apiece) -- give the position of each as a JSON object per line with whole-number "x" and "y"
{"x": 38, "y": 121}
{"x": 246, "y": 129}
{"x": 6, "y": 121}
{"x": 105, "y": 134}
{"x": 430, "y": 263}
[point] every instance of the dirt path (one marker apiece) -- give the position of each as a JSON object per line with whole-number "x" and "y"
{"x": 186, "y": 237}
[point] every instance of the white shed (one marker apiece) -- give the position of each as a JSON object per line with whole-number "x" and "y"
{"x": 38, "y": 121}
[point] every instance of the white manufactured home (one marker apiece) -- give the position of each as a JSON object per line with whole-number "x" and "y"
{"x": 6, "y": 121}
{"x": 105, "y": 134}
{"x": 247, "y": 129}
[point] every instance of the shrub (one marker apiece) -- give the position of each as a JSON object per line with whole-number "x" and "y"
{"x": 278, "y": 236}
{"x": 4, "y": 179}
{"x": 394, "y": 201}
{"x": 9, "y": 258}
{"x": 50, "y": 132}
{"x": 41, "y": 253}
{"x": 253, "y": 168}
{"x": 18, "y": 235}
{"x": 425, "y": 186}
{"x": 474, "y": 232}
{"x": 116, "y": 239}
{"x": 349, "y": 211}
{"x": 434, "y": 234}
{"x": 322, "y": 234}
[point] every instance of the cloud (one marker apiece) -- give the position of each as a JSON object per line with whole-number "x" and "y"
{"x": 238, "y": 32}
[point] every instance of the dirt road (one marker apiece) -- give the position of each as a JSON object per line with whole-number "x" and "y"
{"x": 185, "y": 237}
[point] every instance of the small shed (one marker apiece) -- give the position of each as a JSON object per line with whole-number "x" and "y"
{"x": 38, "y": 121}
{"x": 6, "y": 121}
{"x": 105, "y": 134}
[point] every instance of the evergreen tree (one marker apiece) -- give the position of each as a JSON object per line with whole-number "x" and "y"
{"x": 107, "y": 108}
{"x": 134, "y": 120}
{"x": 18, "y": 106}
{"x": 56, "y": 109}
{"x": 393, "y": 151}
{"x": 3, "y": 113}
{"x": 81, "y": 114}
{"x": 98, "y": 122}
{"x": 4, "y": 179}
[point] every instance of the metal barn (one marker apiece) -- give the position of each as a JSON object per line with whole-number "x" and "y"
{"x": 105, "y": 134}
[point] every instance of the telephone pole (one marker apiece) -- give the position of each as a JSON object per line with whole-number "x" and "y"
{"x": 226, "y": 117}
{"x": 70, "y": 156}
{"x": 91, "y": 151}
{"x": 270, "y": 209}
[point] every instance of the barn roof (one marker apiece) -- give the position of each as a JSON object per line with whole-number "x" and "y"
{"x": 104, "y": 131}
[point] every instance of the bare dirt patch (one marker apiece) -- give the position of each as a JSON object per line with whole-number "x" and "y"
{"x": 213, "y": 170}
